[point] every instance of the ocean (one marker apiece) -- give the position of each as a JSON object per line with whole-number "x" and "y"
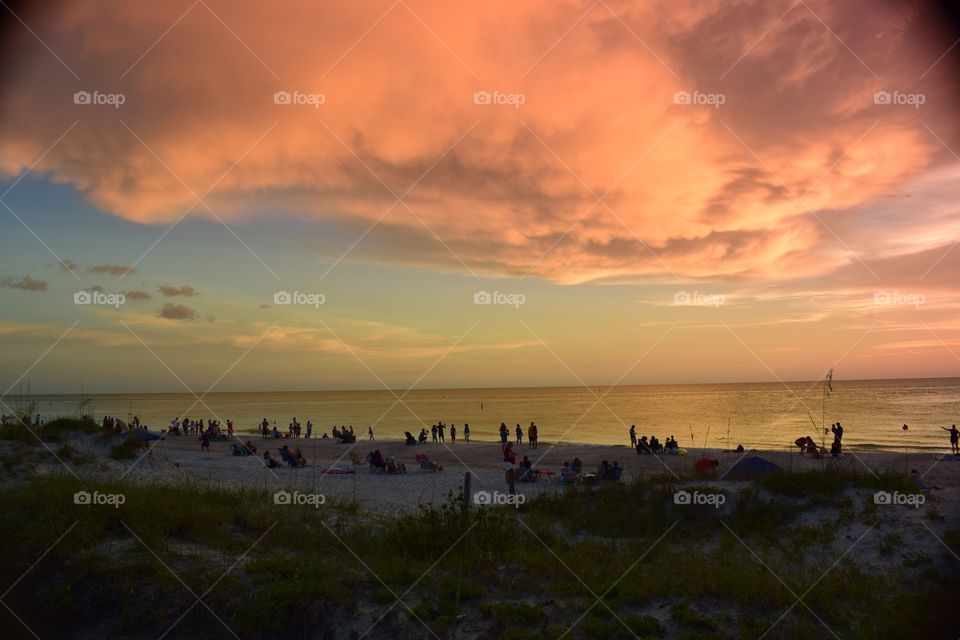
{"x": 760, "y": 415}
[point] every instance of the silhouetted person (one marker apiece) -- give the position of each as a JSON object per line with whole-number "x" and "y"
{"x": 954, "y": 438}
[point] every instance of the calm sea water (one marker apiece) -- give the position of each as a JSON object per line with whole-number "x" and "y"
{"x": 763, "y": 415}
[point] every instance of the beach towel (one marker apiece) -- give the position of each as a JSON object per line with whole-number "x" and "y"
{"x": 337, "y": 469}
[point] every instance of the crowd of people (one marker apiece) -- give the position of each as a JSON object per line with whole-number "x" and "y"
{"x": 573, "y": 472}
{"x": 523, "y": 471}
{"x": 186, "y": 426}
{"x": 653, "y": 444}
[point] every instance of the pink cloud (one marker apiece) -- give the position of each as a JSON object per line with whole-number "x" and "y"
{"x": 684, "y": 190}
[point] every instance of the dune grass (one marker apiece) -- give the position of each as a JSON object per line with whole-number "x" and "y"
{"x": 596, "y": 560}
{"x": 53, "y": 431}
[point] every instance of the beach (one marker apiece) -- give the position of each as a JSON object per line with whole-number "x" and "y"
{"x": 180, "y": 460}
{"x": 149, "y": 509}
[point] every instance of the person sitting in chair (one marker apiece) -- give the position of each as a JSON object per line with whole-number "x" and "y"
{"x": 270, "y": 461}
{"x": 616, "y": 472}
{"x": 298, "y": 457}
{"x": 375, "y": 458}
{"x": 391, "y": 466}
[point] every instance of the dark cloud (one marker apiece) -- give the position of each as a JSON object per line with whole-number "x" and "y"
{"x": 177, "y": 312}
{"x": 137, "y": 295}
{"x": 68, "y": 265}
{"x": 25, "y": 283}
{"x": 110, "y": 269}
{"x": 170, "y": 291}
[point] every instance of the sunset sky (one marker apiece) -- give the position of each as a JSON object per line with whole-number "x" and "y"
{"x": 669, "y": 191}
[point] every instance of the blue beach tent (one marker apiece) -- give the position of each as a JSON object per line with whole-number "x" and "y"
{"x": 146, "y": 436}
{"x": 751, "y": 468}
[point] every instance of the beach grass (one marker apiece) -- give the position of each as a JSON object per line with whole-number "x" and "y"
{"x": 517, "y": 573}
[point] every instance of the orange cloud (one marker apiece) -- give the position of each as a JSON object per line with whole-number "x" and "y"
{"x": 670, "y": 139}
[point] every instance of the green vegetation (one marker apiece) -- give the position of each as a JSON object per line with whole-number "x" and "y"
{"x": 53, "y": 431}
{"x": 595, "y": 559}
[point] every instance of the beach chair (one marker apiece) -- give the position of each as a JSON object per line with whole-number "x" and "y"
{"x": 289, "y": 459}
{"x": 374, "y": 464}
{"x": 425, "y": 463}
{"x": 567, "y": 476}
{"x": 390, "y": 465}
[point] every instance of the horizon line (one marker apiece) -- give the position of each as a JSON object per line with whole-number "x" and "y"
{"x": 381, "y": 388}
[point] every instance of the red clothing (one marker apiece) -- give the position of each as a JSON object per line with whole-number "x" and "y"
{"x": 703, "y": 464}
{"x": 509, "y": 455}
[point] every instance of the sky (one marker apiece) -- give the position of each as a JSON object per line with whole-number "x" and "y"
{"x": 214, "y": 195}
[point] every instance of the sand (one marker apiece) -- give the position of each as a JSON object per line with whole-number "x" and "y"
{"x": 179, "y": 459}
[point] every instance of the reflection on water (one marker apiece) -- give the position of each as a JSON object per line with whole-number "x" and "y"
{"x": 767, "y": 415}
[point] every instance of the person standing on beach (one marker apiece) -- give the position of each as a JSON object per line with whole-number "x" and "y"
{"x": 519, "y": 433}
{"x": 441, "y": 429}
{"x": 504, "y": 434}
{"x": 466, "y": 432}
{"x": 453, "y": 433}
{"x": 533, "y": 435}
{"x": 204, "y": 442}
{"x": 954, "y": 439}
{"x": 433, "y": 432}
{"x": 633, "y": 436}
{"x": 837, "y": 430}
{"x": 309, "y": 429}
